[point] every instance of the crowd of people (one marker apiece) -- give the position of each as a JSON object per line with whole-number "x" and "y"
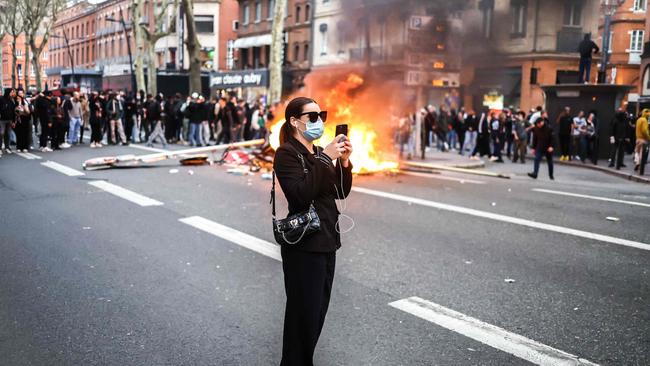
{"x": 515, "y": 134}
{"x": 51, "y": 121}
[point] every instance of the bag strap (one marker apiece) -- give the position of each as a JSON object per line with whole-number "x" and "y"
{"x": 304, "y": 169}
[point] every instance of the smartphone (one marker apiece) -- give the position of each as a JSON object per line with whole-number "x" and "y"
{"x": 341, "y": 130}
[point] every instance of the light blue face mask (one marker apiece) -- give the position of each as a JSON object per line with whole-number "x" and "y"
{"x": 314, "y": 130}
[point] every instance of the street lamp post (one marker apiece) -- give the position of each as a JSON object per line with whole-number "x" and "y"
{"x": 128, "y": 46}
{"x": 67, "y": 46}
{"x": 609, "y": 9}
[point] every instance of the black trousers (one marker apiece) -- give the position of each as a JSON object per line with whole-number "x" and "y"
{"x": 23, "y": 132}
{"x": 95, "y": 130}
{"x": 308, "y": 278}
{"x": 45, "y": 134}
{"x": 617, "y": 153}
{"x": 565, "y": 145}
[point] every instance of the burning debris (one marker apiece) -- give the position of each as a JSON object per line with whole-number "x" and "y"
{"x": 365, "y": 111}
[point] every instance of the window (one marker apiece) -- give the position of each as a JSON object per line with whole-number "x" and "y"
{"x": 640, "y": 5}
{"x": 307, "y": 12}
{"x": 306, "y": 56}
{"x": 296, "y": 52}
{"x": 204, "y": 23}
{"x": 246, "y": 15}
{"x": 323, "y": 38}
{"x": 573, "y": 13}
{"x": 20, "y": 70}
{"x": 271, "y": 9}
{"x": 487, "y": 8}
{"x": 258, "y": 12}
{"x": 518, "y": 9}
{"x": 297, "y": 13}
{"x": 636, "y": 41}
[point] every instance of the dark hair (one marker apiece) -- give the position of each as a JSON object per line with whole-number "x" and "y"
{"x": 294, "y": 108}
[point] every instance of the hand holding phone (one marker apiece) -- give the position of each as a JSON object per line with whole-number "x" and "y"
{"x": 342, "y": 130}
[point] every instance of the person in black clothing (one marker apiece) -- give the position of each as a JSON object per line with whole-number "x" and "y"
{"x": 542, "y": 145}
{"x": 429, "y": 124}
{"x": 586, "y": 48}
{"x": 228, "y": 119}
{"x": 309, "y": 264}
{"x": 23, "y": 126}
{"x": 618, "y": 137}
{"x": 7, "y": 117}
{"x": 483, "y": 139}
{"x": 58, "y": 122}
{"x": 96, "y": 115}
{"x": 43, "y": 111}
{"x": 130, "y": 114}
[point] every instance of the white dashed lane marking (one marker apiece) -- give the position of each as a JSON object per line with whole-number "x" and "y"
{"x": 504, "y": 218}
{"x": 125, "y": 193}
{"x": 512, "y": 343}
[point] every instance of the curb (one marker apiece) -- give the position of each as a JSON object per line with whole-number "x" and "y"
{"x": 616, "y": 173}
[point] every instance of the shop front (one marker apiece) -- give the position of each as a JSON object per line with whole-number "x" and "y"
{"x": 247, "y": 84}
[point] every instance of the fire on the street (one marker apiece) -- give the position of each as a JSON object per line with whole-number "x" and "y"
{"x": 342, "y": 108}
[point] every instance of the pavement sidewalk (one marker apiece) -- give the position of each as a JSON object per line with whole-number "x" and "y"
{"x": 453, "y": 159}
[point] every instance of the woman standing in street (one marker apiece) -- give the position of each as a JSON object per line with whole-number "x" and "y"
{"x": 23, "y": 126}
{"x": 307, "y": 175}
{"x": 96, "y": 112}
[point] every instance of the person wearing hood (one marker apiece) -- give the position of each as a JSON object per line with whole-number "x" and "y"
{"x": 7, "y": 117}
{"x": 586, "y": 49}
{"x": 618, "y": 138}
{"x": 642, "y": 138}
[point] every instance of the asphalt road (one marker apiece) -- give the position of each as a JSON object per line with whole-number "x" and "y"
{"x": 90, "y": 278}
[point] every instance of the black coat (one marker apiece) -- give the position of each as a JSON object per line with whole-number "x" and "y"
{"x": 543, "y": 137}
{"x": 317, "y": 186}
{"x": 619, "y": 126}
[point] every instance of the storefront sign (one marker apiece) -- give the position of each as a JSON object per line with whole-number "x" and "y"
{"x": 244, "y": 78}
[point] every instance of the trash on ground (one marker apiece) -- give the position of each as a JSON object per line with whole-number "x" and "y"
{"x": 237, "y": 157}
{"x": 194, "y": 159}
{"x": 86, "y": 228}
{"x": 267, "y": 176}
{"x": 173, "y": 171}
{"x": 190, "y": 172}
{"x": 509, "y": 280}
{"x": 494, "y": 203}
{"x": 612, "y": 218}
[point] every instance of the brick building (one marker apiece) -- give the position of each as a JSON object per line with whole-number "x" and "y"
{"x": 408, "y": 44}
{"x": 250, "y": 51}
{"x": 517, "y": 46}
{"x": 644, "y": 70}
{"x": 626, "y": 44}
{"x": 23, "y": 67}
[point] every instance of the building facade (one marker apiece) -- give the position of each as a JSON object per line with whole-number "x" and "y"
{"x": 644, "y": 70}
{"x": 408, "y": 44}
{"x": 627, "y": 34}
{"x": 514, "y": 47}
{"x": 24, "y": 67}
{"x": 248, "y": 56}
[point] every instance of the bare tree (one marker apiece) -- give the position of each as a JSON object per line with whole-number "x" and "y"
{"x": 13, "y": 25}
{"x": 193, "y": 46}
{"x": 39, "y": 18}
{"x": 3, "y": 27}
{"x": 137, "y": 11}
{"x": 277, "y": 44}
{"x": 161, "y": 28}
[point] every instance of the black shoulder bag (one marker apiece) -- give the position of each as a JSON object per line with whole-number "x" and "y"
{"x": 291, "y": 230}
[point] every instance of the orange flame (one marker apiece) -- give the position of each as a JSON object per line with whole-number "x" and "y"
{"x": 341, "y": 107}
